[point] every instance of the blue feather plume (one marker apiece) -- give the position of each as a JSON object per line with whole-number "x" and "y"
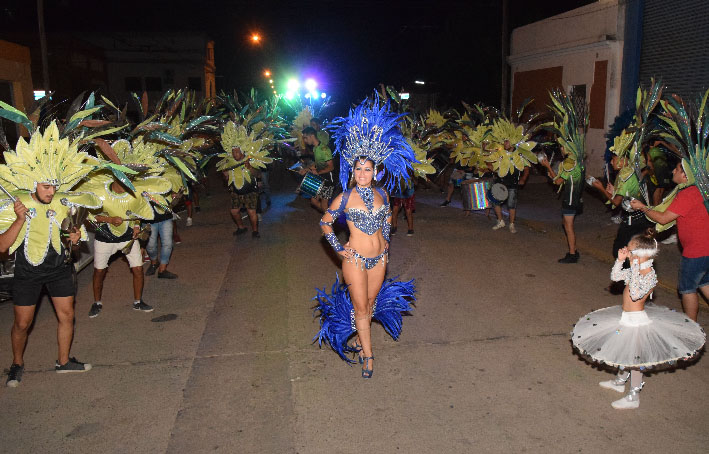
{"x": 393, "y": 299}
{"x": 336, "y": 312}
{"x": 373, "y": 132}
{"x": 335, "y": 319}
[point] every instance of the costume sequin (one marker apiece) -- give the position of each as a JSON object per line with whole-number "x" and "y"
{"x": 638, "y": 284}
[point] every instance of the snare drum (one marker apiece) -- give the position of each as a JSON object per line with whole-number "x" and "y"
{"x": 475, "y": 195}
{"x": 311, "y": 185}
{"x": 497, "y": 193}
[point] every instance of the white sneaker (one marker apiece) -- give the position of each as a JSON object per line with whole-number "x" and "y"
{"x": 618, "y": 383}
{"x": 611, "y": 384}
{"x": 672, "y": 239}
{"x": 616, "y": 219}
{"x": 628, "y": 402}
{"x": 512, "y": 228}
{"x": 499, "y": 225}
{"x": 189, "y": 222}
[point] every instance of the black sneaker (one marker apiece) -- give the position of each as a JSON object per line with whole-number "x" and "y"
{"x": 255, "y": 235}
{"x": 445, "y": 203}
{"x": 95, "y": 310}
{"x": 141, "y": 306}
{"x": 240, "y": 231}
{"x": 410, "y": 233}
{"x": 197, "y": 209}
{"x": 151, "y": 269}
{"x": 166, "y": 275}
{"x": 14, "y": 375}
{"x": 570, "y": 258}
{"x": 71, "y": 366}
{"x": 393, "y": 231}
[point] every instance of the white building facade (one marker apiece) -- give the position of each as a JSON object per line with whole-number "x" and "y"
{"x": 581, "y": 52}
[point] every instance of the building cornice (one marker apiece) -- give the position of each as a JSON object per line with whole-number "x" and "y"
{"x": 538, "y": 55}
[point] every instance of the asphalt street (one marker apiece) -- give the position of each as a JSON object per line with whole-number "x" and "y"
{"x": 226, "y": 362}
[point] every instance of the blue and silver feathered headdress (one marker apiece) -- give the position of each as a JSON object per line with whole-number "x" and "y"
{"x": 372, "y": 132}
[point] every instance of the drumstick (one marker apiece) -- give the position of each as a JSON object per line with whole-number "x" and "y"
{"x": 29, "y": 214}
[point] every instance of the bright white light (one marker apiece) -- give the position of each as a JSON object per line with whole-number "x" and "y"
{"x": 307, "y": 95}
{"x": 323, "y": 95}
{"x": 289, "y": 95}
{"x": 39, "y": 94}
{"x": 293, "y": 85}
{"x": 404, "y": 95}
{"x": 310, "y": 84}
{"x": 420, "y": 82}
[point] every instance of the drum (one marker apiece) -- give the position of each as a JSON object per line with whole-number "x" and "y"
{"x": 475, "y": 195}
{"x": 312, "y": 185}
{"x": 497, "y": 193}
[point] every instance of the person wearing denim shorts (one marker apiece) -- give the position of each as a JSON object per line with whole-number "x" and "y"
{"x": 161, "y": 226}
{"x": 512, "y": 182}
{"x": 692, "y": 218}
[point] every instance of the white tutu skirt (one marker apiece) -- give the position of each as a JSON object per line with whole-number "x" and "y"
{"x": 637, "y": 340}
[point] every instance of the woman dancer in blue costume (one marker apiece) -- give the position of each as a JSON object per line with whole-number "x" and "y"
{"x": 366, "y": 253}
{"x": 368, "y": 138}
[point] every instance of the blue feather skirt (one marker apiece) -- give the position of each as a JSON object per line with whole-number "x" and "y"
{"x": 337, "y": 313}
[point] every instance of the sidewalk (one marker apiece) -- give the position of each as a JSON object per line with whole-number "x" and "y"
{"x": 539, "y": 209}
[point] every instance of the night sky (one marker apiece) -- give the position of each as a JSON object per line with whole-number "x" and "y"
{"x": 349, "y": 47}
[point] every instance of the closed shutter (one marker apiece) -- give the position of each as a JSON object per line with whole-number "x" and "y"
{"x": 674, "y": 46}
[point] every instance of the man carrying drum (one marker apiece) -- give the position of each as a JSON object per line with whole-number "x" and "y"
{"x": 323, "y": 167}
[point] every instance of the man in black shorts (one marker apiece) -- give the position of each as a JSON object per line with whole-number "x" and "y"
{"x": 55, "y": 273}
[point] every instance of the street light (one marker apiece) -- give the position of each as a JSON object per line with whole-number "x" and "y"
{"x": 267, "y": 73}
{"x": 293, "y": 85}
{"x": 310, "y": 84}
{"x": 420, "y": 82}
{"x": 255, "y": 38}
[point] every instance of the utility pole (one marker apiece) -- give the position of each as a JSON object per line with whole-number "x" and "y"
{"x": 43, "y": 45}
{"x": 504, "y": 68}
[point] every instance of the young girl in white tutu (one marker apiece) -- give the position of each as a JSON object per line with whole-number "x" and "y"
{"x": 635, "y": 337}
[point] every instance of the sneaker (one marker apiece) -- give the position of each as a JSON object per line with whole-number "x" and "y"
{"x": 151, "y": 269}
{"x": 141, "y": 306}
{"x": 176, "y": 239}
{"x": 612, "y": 384}
{"x": 240, "y": 231}
{"x": 499, "y": 225}
{"x": 445, "y": 203}
{"x": 410, "y": 233}
{"x": 258, "y": 217}
{"x": 188, "y": 223}
{"x": 512, "y": 228}
{"x": 672, "y": 239}
{"x": 255, "y": 235}
{"x": 95, "y": 310}
{"x": 71, "y": 366}
{"x": 393, "y": 231}
{"x": 146, "y": 258}
{"x": 14, "y": 375}
{"x": 197, "y": 209}
{"x": 166, "y": 275}
{"x": 570, "y": 258}
{"x": 631, "y": 401}
{"x": 617, "y": 219}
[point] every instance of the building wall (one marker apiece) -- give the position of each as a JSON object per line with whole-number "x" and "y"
{"x": 582, "y": 47}
{"x": 156, "y": 62}
{"x": 16, "y": 71}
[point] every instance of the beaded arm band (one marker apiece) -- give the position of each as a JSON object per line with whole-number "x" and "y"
{"x": 330, "y": 236}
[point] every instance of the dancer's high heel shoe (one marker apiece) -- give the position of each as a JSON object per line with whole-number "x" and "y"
{"x": 367, "y": 373}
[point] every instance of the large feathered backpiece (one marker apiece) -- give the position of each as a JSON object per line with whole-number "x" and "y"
{"x": 686, "y": 127}
{"x": 372, "y": 131}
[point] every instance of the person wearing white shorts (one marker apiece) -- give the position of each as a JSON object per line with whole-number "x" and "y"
{"x": 105, "y": 246}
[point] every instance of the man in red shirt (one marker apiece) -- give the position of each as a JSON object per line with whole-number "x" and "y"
{"x": 693, "y": 232}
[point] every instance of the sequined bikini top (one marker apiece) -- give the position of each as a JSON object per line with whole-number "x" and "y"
{"x": 368, "y": 221}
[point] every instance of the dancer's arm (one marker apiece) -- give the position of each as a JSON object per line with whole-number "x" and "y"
{"x": 330, "y": 216}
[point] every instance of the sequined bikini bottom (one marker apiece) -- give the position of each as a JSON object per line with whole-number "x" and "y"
{"x": 369, "y": 263}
